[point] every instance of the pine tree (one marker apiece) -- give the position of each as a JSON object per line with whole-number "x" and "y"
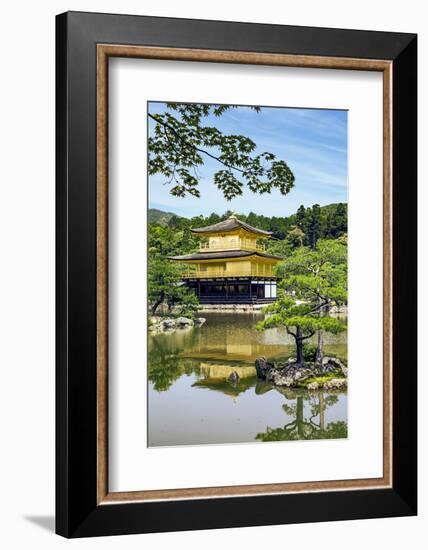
{"x": 314, "y": 225}
{"x": 302, "y": 219}
{"x": 339, "y": 220}
{"x": 164, "y": 277}
{"x": 312, "y": 281}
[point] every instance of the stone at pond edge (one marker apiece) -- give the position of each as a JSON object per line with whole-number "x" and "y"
{"x": 168, "y": 324}
{"x": 336, "y": 384}
{"x": 184, "y": 322}
{"x": 160, "y": 324}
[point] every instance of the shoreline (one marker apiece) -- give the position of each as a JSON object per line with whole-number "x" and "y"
{"x": 227, "y": 308}
{"x": 252, "y": 308}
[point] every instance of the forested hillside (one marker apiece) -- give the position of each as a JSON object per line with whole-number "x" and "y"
{"x": 159, "y": 216}
{"x": 316, "y": 222}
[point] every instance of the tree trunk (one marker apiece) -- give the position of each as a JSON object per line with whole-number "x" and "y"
{"x": 322, "y": 412}
{"x": 299, "y": 416}
{"x": 157, "y": 303}
{"x": 155, "y": 306}
{"x": 299, "y": 347}
{"x": 320, "y": 348}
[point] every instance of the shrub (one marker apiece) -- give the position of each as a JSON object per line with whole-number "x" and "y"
{"x": 310, "y": 352}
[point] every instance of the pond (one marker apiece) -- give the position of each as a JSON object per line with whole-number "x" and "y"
{"x": 191, "y": 401}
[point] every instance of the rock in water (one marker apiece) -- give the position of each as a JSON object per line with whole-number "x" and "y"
{"x": 199, "y": 321}
{"x": 263, "y": 367}
{"x": 234, "y": 377}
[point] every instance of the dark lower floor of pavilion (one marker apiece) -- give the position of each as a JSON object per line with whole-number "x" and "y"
{"x": 238, "y": 290}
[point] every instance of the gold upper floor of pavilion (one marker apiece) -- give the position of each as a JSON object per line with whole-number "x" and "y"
{"x": 231, "y": 234}
{"x": 232, "y": 243}
{"x": 231, "y": 248}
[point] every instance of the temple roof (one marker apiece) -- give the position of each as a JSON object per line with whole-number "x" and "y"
{"x": 220, "y": 255}
{"x": 232, "y": 223}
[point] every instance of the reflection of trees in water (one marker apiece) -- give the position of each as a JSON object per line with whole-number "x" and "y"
{"x": 311, "y": 426}
{"x": 224, "y": 339}
{"x": 165, "y": 367}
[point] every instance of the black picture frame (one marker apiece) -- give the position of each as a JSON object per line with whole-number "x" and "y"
{"x": 77, "y": 511}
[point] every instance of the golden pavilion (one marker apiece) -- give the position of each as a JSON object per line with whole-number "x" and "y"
{"x": 231, "y": 266}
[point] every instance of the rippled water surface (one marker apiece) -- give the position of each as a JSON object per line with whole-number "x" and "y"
{"x": 192, "y": 402}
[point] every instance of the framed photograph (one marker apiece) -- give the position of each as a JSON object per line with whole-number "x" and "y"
{"x": 236, "y": 274}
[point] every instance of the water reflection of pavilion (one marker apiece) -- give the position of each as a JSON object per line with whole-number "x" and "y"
{"x": 214, "y": 371}
{"x": 215, "y": 377}
{"x": 233, "y": 352}
{"x": 189, "y": 370}
{"x": 234, "y": 346}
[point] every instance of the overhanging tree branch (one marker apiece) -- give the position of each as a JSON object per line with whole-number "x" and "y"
{"x": 186, "y": 142}
{"x": 199, "y": 150}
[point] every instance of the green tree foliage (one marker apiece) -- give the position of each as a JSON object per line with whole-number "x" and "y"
{"x": 332, "y": 223}
{"x": 181, "y": 139}
{"x": 337, "y": 221}
{"x": 279, "y": 248}
{"x": 314, "y": 225}
{"x": 283, "y": 247}
{"x": 171, "y": 235}
{"x": 164, "y": 277}
{"x": 295, "y": 237}
{"x": 159, "y": 216}
{"x": 302, "y": 219}
{"x": 322, "y": 222}
{"x": 310, "y": 352}
{"x": 165, "y": 287}
{"x": 312, "y": 281}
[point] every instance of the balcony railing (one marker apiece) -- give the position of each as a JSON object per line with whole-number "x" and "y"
{"x": 242, "y": 244}
{"x": 257, "y": 271}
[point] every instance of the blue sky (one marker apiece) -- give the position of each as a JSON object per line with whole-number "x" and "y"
{"x": 313, "y": 142}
